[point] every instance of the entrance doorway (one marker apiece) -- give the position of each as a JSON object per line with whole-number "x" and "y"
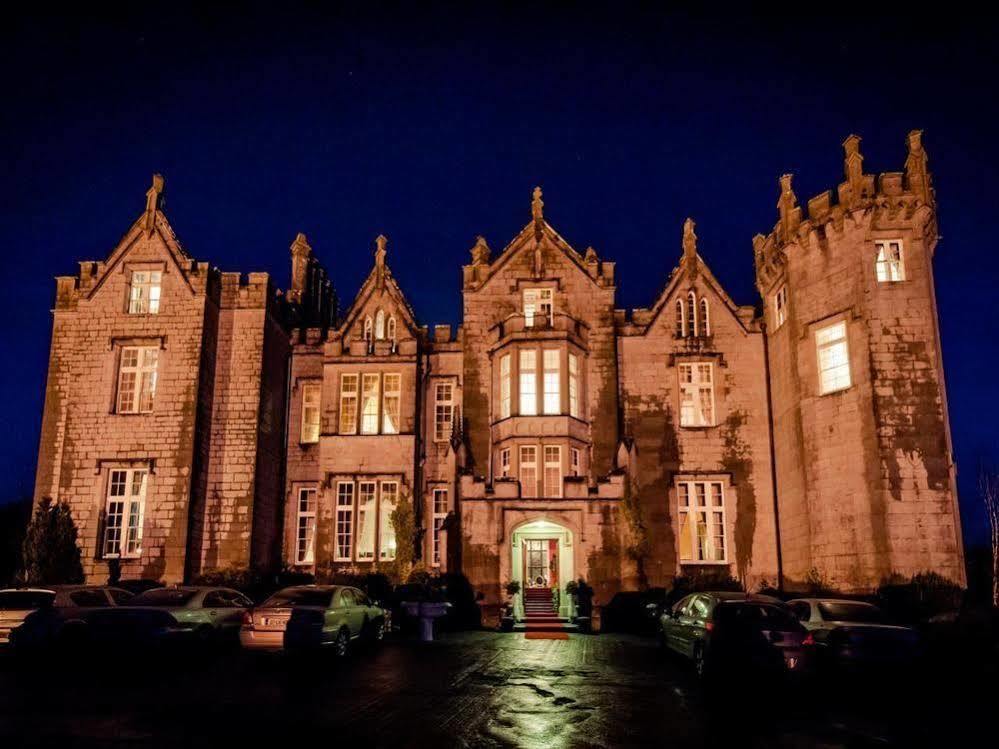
{"x": 542, "y": 557}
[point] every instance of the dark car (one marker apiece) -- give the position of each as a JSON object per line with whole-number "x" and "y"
{"x": 737, "y": 632}
{"x": 852, "y": 635}
{"x": 633, "y": 611}
{"x": 63, "y": 620}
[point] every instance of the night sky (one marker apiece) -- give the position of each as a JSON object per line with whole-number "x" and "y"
{"x": 433, "y": 126}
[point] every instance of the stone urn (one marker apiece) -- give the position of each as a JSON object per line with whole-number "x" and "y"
{"x": 426, "y": 612}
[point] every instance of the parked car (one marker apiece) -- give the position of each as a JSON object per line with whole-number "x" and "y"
{"x": 63, "y": 620}
{"x": 139, "y": 585}
{"x": 633, "y": 611}
{"x": 345, "y": 615}
{"x": 722, "y": 631}
{"x": 16, "y": 604}
{"x": 854, "y": 634}
{"x": 207, "y": 612}
{"x": 313, "y": 615}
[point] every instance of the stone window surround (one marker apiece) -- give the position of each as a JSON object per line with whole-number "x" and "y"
{"x": 880, "y": 242}
{"x": 565, "y": 444}
{"x": 304, "y": 384}
{"x": 130, "y": 468}
{"x": 728, "y": 488}
{"x": 117, "y": 345}
{"x": 332, "y": 486}
{"x": 434, "y": 382}
{"x": 358, "y": 394}
{"x": 813, "y": 328}
{"x": 437, "y": 518}
{"x": 128, "y": 269}
{"x": 718, "y": 362}
{"x": 564, "y": 347}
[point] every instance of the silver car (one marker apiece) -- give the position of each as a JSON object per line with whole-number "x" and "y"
{"x": 208, "y": 613}
{"x": 854, "y": 634}
{"x": 17, "y": 603}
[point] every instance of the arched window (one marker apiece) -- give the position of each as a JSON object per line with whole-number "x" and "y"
{"x": 691, "y": 313}
{"x": 681, "y": 328}
{"x": 367, "y": 328}
{"x": 380, "y": 325}
{"x": 391, "y": 328}
{"x": 705, "y": 319}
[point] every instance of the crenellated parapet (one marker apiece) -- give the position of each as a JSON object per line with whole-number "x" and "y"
{"x": 861, "y": 199}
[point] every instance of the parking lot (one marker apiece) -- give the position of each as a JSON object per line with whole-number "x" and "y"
{"x": 467, "y": 689}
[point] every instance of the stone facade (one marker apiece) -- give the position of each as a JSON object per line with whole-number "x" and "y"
{"x": 551, "y": 436}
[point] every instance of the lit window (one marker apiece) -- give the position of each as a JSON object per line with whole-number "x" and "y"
{"x": 528, "y": 382}
{"x": 553, "y": 471}
{"x": 386, "y": 531}
{"x": 369, "y": 403}
{"x": 574, "y": 385}
{"x": 305, "y": 544}
{"x": 697, "y": 397}
{"x": 366, "y": 519}
{"x": 705, "y": 320}
{"x": 691, "y": 313}
{"x": 310, "y": 412}
{"x": 574, "y": 467}
{"x": 368, "y": 329}
{"x": 344, "y": 521}
{"x": 538, "y": 307}
{"x": 144, "y": 292}
{"x": 348, "y": 404}
{"x": 505, "y": 386}
{"x": 137, "y": 379}
{"x": 702, "y": 521}
{"x": 391, "y": 328}
{"x": 443, "y": 411}
{"x": 528, "y": 471}
{"x": 834, "y": 358}
{"x": 780, "y": 307}
{"x": 124, "y": 512}
{"x": 390, "y": 404}
{"x": 505, "y": 462}
{"x": 890, "y": 266}
{"x": 681, "y": 320}
{"x": 440, "y": 513}
{"x": 553, "y": 396}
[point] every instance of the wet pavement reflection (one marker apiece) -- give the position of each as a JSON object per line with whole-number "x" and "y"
{"x": 477, "y": 689}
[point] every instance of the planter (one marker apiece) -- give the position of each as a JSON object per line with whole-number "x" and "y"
{"x": 426, "y": 612}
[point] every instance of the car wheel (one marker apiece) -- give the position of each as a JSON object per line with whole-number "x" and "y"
{"x": 341, "y": 644}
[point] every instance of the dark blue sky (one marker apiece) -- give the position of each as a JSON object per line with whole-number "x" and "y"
{"x": 433, "y": 125}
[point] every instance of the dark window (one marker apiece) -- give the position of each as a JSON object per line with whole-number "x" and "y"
{"x": 801, "y": 610}
{"x": 239, "y": 599}
{"x": 299, "y": 597}
{"x": 757, "y": 615}
{"x": 23, "y": 600}
{"x": 216, "y": 600}
{"x": 119, "y": 596}
{"x": 851, "y": 612}
{"x": 164, "y": 597}
{"x": 89, "y": 598}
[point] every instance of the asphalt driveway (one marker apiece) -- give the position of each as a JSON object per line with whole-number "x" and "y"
{"x": 478, "y": 689}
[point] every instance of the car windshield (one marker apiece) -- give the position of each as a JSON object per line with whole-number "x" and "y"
{"x": 22, "y": 600}
{"x": 299, "y": 597}
{"x": 759, "y": 615}
{"x": 850, "y": 612}
{"x": 163, "y": 597}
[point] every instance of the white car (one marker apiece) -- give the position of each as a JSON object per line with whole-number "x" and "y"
{"x": 17, "y": 603}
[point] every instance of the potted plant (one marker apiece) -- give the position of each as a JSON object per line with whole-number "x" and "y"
{"x": 508, "y": 617}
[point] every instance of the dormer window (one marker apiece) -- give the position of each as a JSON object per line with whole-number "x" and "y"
{"x": 144, "y": 292}
{"x": 890, "y": 266}
{"x": 539, "y": 307}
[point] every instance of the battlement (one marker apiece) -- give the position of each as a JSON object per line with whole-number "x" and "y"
{"x": 891, "y": 193}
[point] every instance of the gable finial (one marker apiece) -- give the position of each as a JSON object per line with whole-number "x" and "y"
{"x": 853, "y": 166}
{"x": 689, "y": 240}
{"x": 537, "y": 205}
{"x": 917, "y": 172}
{"x": 481, "y": 251}
{"x": 787, "y": 208}
{"x": 153, "y": 199}
{"x": 380, "y": 243}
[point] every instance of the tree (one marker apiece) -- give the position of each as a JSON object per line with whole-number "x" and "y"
{"x": 988, "y": 487}
{"x": 403, "y": 519}
{"x": 49, "y": 553}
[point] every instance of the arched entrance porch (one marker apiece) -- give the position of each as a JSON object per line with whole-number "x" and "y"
{"x": 541, "y": 555}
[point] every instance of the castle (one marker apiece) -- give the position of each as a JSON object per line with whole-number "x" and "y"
{"x": 197, "y": 419}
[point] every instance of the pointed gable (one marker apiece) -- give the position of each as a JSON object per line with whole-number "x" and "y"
{"x": 380, "y": 309}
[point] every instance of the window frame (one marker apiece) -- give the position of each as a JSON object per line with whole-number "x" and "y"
{"x": 527, "y": 376}
{"x": 346, "y": 396}
{"x": 545, "y": 296}
{"x": 142, "y": 400}
{"x": 150, "y": 303}
{"x": 844, "y": 340}
{"x": 695, "y": 387}
{"x": 437, "y": 518}
{"x": 687, "y": 488}
{"x": 343, "y": 522}
{"x": 504, "y": 462}
{"x": 373, "y": 396}
{"x": 366, "y": 488}
{"x": 443, "y": 411}
{"x": 391, "y": 403}
{"x": 780, "y": 306}
{"x": 505, "y": 385}
{"x": 551, "y": 396}
{"x": 312, "y": 424}
{"x": 521, "y": 467}
{"x": 575, "y": 462}
{"x": 128, "y": 542}
{"x": 705, "y": 318}
{"x": 306, "y": 555}
{"x": 885, "y": 269}
{"x": 574, "y": 381}
{"x": 554, "y": 464}
{"x": 385, "y": 520}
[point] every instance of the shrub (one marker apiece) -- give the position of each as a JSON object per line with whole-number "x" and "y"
{"x": 920, "y": 597}
{"x": 49, "y": 553}
{"x": 571, "y": 587}
{"x": 256, "y": 583}
{"x": 512, "y": 588}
